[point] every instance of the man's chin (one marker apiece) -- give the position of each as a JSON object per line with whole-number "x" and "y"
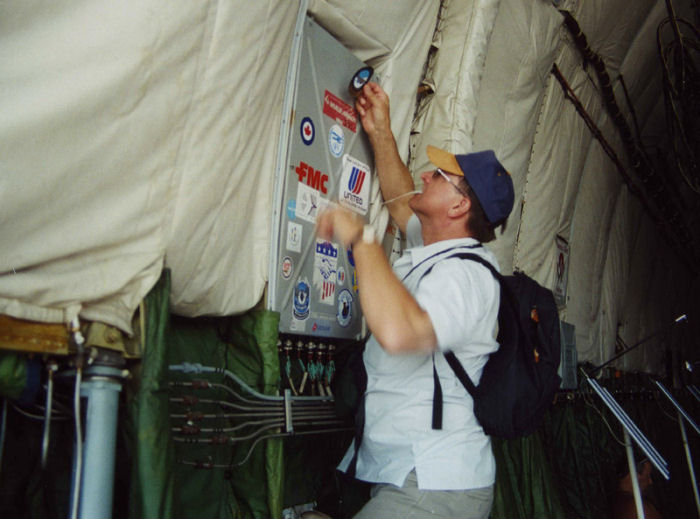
{"x": 413, "y": 200}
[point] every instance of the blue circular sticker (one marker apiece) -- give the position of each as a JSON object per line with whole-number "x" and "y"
{"x": 336, "y": 140}
{"x": 344, "y": 314}
{"x": 307, "y": 130}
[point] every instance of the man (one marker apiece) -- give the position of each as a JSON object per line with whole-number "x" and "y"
{"x": 420, "y": 471}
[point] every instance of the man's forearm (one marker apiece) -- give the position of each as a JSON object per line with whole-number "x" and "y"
{"x": 393, "y": 315}
{"x": 394, "y": 177}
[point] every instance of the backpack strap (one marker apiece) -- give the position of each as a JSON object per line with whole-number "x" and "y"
{"x": 475, "y": 246}
{"x": 359, "y": 433}
{"x": 450, "y": 357}
{"x": 437, "y": 391}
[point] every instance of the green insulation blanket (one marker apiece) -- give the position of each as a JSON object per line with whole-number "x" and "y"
{"x": 13, "y": 374}
{"x": 165, "y": 484}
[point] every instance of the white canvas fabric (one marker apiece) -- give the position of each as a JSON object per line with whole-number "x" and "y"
{"x": 144, "y": 134}
{"x": 138, "y": 135}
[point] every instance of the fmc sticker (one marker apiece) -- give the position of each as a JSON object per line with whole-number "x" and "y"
{"x": 354, "y": 185}
{"x": 338, "y": 110}
{"x": 312, "y": 177}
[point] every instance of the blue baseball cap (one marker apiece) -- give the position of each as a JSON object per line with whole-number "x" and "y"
{"x": 489, "y": 180}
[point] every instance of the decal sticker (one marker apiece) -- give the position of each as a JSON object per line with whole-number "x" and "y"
{"x": 301, "y": 299}
{"x": 336, "y": 140}
{"x": 562, "y": 272}
{"x": 325, "y": 267}
{"x": 291, "y": 209}
{"x": 354, "y": 282}
{"x": 354, "y": 185}
{"x": 340, "y": 111}
{"x": 287, "y": 267}
{"x": 307, "y": 130}
{"x": 294, "y": 236}
{"x": 296, "y": 325}
{"x": 351, "y": 258}
{"x": 310, "y": 203}
{"x": 341, "y": 275}
{"x": 312, "y": 177}
{"x": 344, "y": 314}
{"x": 321, "y": 326}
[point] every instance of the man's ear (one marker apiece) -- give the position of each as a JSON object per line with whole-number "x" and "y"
{"x": 460, "y": 208}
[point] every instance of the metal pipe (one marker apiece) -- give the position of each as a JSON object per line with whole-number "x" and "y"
{"x": 633, "y": 476}
{"x": 100, "y": 444}
{"x": 689, "y": 459}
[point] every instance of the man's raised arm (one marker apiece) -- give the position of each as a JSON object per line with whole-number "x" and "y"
{"x": 394, "y": 178}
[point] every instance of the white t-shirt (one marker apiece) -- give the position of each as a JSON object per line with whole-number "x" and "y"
{"x": 461, "y": 297}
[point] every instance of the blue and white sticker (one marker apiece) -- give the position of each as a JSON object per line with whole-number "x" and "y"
{"x": 341, "y": 275}
{"x": 321, "y": 326}
{"x": 291, "y": 209}
{"x": 344, "y": 315}
{"x": 307, "y": 130}
{"x": 336, "y": 140}
{"x": 301, "y": 300}
{"x": 355, "y": 183}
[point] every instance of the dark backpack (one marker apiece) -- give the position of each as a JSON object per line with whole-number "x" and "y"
{"x": 520, "y": 379}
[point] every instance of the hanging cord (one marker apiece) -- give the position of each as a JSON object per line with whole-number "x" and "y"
{"x": 589, "y": 403}
{"x": 661, "y": 408}
{"x": 680, "y": 89}
{"x": 51, "y": 369}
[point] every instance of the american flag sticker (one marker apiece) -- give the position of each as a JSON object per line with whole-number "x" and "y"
{"x": 327, "y": 292}
{"x": 325, "y": 270}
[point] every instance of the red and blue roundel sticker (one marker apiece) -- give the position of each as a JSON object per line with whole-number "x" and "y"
{"x": 307, "y": 130}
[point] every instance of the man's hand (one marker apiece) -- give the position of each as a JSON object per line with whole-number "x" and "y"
{"x": 339, "y": 224}
{"x": 373, "y": 107}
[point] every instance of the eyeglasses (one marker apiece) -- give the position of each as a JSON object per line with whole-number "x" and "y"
{"x": 440, "y": 173}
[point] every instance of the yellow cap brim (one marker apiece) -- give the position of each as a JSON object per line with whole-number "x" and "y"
{"x": 444, "y": 160}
